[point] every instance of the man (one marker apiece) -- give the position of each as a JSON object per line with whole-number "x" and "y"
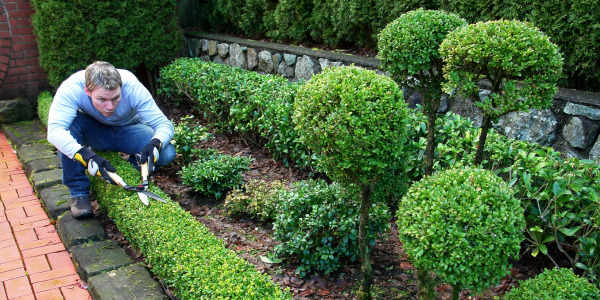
{"x": 104, "y": 109}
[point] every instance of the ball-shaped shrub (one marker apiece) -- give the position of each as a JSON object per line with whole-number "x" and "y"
{"x": 518, "y": 61}
{"x": 557, "y": 283}
{"x": 318, "y": 222}
{"x": 354, "y": 120}
{"x": 411, "y": 43}
{"x": 463, "y": 224}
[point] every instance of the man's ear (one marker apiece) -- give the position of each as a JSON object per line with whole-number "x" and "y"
{"x": 87, "y": 92}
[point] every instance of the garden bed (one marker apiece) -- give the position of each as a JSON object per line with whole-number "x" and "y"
{"x": 395, "y": 277}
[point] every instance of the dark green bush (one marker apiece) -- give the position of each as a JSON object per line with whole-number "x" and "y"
{"x": 44, "y": 102}
{"x": 557, "y": 283}
{"x": 180, "y": 250}
{"x": 290, "y": 20}
{"x": 317, "y": 224}
{"x": 463, "y": 224}
{"x": 215, "y": 174}
{"x": 128, "y": 34}
{"x": 256, "y": 198}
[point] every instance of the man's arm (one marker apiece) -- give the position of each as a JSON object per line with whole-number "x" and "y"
{"x": 62, "y": 113}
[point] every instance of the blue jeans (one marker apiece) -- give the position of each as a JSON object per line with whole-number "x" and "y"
{"x": 126, "y": 139}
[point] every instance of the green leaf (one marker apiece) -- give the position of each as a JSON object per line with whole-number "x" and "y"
{"x": 569, "y": 231}
{"x": 270, "y": 261}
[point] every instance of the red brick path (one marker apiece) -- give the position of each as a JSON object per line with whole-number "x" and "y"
{"x": 33, "y": 261}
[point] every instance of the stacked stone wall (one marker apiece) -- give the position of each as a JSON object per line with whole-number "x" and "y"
{"x": 571, "y": 125}
{"x": 20, "y": 72}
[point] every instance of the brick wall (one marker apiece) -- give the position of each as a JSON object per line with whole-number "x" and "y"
{"x": 20, "y": 72}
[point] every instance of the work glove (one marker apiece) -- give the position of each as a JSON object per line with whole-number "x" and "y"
{"x": 150, "y": 154}
{"x": 95, "y": 164}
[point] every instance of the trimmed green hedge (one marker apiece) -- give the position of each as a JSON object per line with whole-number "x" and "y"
{"x": 178, "y": 248}
{"x": 44, "y": 102}
{"x": 554, "y": 284}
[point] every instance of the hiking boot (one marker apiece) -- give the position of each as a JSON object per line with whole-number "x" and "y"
{"x": 81, "y": 207}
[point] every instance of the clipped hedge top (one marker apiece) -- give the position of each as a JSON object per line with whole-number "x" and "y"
{"x": 518, "y": 59}
{"x": 178, "y": 248}
{"x": 354, "y": 120}
{"x": 557, "y": 283}
{"x": 463, "y": 224}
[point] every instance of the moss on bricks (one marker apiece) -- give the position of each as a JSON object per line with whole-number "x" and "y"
{"x": 129, "y": 282}
{"x": 94, "y": 258}
{"x": 75, "y": 232}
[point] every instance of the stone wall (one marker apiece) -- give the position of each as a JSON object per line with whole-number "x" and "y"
{"x": 20, "y": 72}
{"x": 571, "y": 125}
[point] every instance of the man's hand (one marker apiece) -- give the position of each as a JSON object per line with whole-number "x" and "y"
{"x": 150, "y": 154}
{"x": 96, "y": 165}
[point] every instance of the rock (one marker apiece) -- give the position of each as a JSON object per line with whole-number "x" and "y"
{"x": 217, "y": 59}
{"x": 237, "y": 59}
{"x": 582, "y": 110}
{"x": 595, "y": 152}
{"x": 290, "y": 59}
{"x": 304, "y": 68}
{"x": 285, "y": 70}
{"x": 536, "y": 126}
{"x": 212, "y": 48}
{"x": 15, "y": 110}
{"x": 265, "y": 61}
{"x": 223, "y": 50}
{"x": 252, "y": 58}
{"x": 325, "y": 63}
{"x": 276, "y": 60}
{"x": 574, "y": 134}
{"x": 204, "y": 45}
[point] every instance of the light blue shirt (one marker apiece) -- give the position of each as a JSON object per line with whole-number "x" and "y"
{"x": 136, "y": 106}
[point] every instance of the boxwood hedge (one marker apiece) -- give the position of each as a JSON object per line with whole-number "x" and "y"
{"x": 178, "y": 248}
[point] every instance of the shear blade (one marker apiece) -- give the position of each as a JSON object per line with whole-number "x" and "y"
{"x": 144, "y": 198}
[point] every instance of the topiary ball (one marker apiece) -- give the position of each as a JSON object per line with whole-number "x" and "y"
{"x": 557, "y": 283}
{"x": 518, "y": 59}
{"x": 354, "y": 120}
{"x": 410, "y": 44}
{"x": 463, "y": 224}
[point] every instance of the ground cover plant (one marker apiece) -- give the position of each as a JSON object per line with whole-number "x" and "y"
{"x": 557, "y": 283}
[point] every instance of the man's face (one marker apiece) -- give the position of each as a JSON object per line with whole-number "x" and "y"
{"x": 105, "y": 101}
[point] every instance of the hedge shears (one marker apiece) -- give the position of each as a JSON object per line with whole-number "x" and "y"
{"x": 141, "y": 189}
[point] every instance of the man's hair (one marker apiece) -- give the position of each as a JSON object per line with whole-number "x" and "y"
{"x": 102, "y": 74}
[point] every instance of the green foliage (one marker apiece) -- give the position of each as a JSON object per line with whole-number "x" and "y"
{"x": 463, "y": 224}
{"x": 215, "y": 174}
{"x": 187, "y": 134}
{"x": 180, "y": 250}
{"x": 318, "y": 223}
{"x": 44, "y": 102}
{"x": 335, "y": 113}
{"x": 409, "y": 49}
{"x": 128, "y": 34}
{"x": 557, "y": 283}
{"x": 290, "y": 20}
{"x": 561, "y": 202}
{"x": 517, "y": 59}
{"x": 259, "y": 107}
{"x": 256, "y": 198}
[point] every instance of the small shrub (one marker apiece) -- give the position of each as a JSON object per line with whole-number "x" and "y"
{"x": 44, "y": 102}
{"x": 256, "y": 198}
{"x": 318, "y": 224}
{"x": 215, "y": 174}
{"x": 187, "y": 134}
{"x": 557, "y": 283}
{"x": 463, "y": 224}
